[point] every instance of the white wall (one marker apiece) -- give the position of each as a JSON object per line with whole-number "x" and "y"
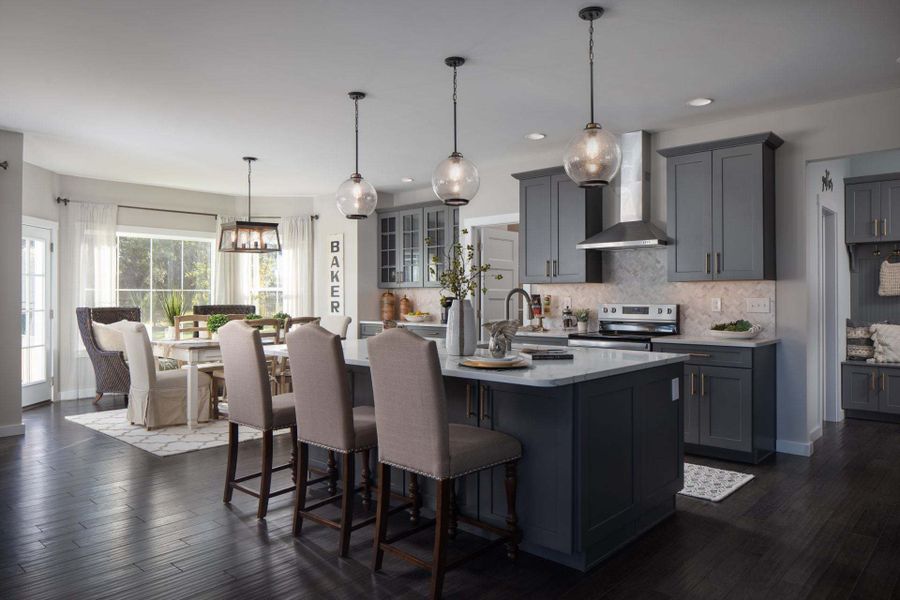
{"x": 10, "y": 292}
{"x": 875, "y": 163}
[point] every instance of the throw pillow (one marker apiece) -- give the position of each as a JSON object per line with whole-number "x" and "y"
{"x": 887, "y": 343}
{"x": 108, "y": 337}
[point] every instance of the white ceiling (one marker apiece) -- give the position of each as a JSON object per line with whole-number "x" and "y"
{"x": 173, "y": 93}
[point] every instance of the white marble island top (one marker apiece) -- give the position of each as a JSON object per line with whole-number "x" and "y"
{"x": 587, "y": 364}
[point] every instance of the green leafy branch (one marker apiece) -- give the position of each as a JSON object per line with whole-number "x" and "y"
{"x": 457, "y": 271}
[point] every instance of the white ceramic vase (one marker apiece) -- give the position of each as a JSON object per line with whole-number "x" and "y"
{"x": 582, "y": 326}
{"x": 461, "y": 339}
{"x": 170, "y": 332}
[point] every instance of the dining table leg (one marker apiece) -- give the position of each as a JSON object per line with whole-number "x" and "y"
{"x": 193, "y": 392}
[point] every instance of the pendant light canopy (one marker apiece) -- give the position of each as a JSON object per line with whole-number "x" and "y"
{"x": 455, "y": 180}
{"x": 356, "y": 198}
{"x": 249, "y": 236}
{"x": 593, "y": 156}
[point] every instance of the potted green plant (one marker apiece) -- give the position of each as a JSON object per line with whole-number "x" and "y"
{"x": 281, "y": 316}
{"x": 173, "y": 306}
{"x": 214, "y": 323}
{"x": 582, "y": 316}
{"x": 460, "y": 275}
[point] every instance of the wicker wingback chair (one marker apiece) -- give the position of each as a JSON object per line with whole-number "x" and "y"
{"x": 110, "y": 368}
{"x": 224, "y": 309}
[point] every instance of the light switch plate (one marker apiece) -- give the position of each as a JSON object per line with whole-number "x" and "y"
{"x": 567, "y": 302}
{"x": 715, "y": 304}
{"x": 758, "y": 305}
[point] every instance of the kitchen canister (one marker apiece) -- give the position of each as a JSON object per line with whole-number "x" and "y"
{"x": 388, "y": 306}
{"x": 405, "y": 306}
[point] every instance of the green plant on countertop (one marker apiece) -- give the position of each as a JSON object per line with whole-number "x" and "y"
{"x": 281, "y": 316}
{"x": 582, "y": 314}
{"x": 215, "y": 322}
{"x": 252, "y": 317}
{"x": 739, "y": 325}
{"x": 173, "y": 306}
{"x": 457, "y": 272}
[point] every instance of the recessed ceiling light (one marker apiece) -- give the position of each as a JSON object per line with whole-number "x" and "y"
{"x": 534, "y": 136}
{"x": 407, "y": 179}
{"x": 700, "y": 102}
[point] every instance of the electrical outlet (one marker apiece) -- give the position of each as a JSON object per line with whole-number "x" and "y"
{"x": 567, "y": 302}
{"x": 715, "y": 304}
{"x": 758, "y": 305}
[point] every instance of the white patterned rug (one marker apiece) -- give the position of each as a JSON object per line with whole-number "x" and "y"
{"x": 165, "y": 441}
{"x": 708, "y": 483}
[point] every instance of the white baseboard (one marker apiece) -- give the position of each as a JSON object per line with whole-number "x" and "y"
{"x": 76, "y": 394}
{"x": 815, "y": 434}
{"x": 11, "y": 430}
{"x": 798, "y": 448}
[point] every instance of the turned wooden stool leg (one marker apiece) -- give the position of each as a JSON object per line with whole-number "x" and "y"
{"x": 332, "y": 474}
{"x": 265, "y": 480}
{"x": 293, "y": 453}
{"x": 512, "y": 546}
{"x": 454, "y": 513}
{"x": 439, "y": 557}
{"x": 231, "y": 469}
{"x": 381, "y": 513}
{"x": 300, "y": 490}
{"x": 366, "y": 476}
{"x": 347, "y": 495}
{"x": 414, "y": 496}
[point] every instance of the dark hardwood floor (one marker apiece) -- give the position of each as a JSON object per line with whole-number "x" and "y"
{"x": 85, "y": 516}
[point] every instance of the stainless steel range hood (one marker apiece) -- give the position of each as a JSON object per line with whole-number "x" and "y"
{"x": 634, "y": 229}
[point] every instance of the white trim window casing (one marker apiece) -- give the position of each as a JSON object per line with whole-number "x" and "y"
{"x": 152, "y": 265}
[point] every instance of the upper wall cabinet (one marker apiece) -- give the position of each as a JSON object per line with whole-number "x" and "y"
{"x": 721, "y": 209}
{"x": 872, "y": 208}
{"x": 408, "y": 239}
{"x": 555, "y": 215}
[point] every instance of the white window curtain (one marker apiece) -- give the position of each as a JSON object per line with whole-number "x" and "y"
{"x": 297, "y": 265}
{"x": 229, "y": 285}
{"x": 87, "y": 278}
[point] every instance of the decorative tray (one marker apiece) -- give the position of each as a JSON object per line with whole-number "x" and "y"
{"x": 485, "y": 363}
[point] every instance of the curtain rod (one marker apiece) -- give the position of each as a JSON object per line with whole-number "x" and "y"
{"x": 65, "y": 202}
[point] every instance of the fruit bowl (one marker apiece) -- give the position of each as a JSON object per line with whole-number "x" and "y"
{"x": 417, "y": 318}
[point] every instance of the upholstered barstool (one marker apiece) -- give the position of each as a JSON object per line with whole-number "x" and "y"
{"x": 414, "y": 435}
{"x": 328, "y": 420}
{"x": 251, "y": 403}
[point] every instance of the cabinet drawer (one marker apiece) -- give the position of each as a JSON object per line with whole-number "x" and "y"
{"x": 429, "y": 332}
{"x": 719, "y": 356}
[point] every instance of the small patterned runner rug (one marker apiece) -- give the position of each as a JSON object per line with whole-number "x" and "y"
{"x": 708, "y": 483}
{"x": 164, "y": 441}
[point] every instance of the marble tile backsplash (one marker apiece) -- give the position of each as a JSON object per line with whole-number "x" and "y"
{"x": 640, "y": 276}
{"x": 423, "y": 300}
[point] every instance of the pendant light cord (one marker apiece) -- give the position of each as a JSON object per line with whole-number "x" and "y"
{"x": 249, "y": 172}
{"x": 454, "y": 111}
{"x": 591, "y": 61}
{"x": 356, "y": 130}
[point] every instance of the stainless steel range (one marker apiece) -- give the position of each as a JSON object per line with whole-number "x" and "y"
{"x": 629, "y": 326}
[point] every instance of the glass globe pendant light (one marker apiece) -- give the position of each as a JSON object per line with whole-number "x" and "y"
{"x": 455, "y": 180}
{"x": 356, "y": 198}
{"x": 593, "y": 156}
{"x": 255, "y": 237}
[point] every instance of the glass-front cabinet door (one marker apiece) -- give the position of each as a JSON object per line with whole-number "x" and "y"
{"x": 387, "y": 251}
{"x": 441, "y": 232}
{"x": 411, "y": 240}
{"x": 408, "y": 242}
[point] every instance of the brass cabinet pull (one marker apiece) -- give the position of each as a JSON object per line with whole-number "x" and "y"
{"x": 700, "y": 355}
{"x": 872, "y": 383}
{"x": 693, "y": 388}
{"x": 482, "y": 402}
{"x": 707, "y": 262}
{"x": 875, "y": 223}
{"x": 555, "y": 268}
{"x": 718, "y": 262}
{"x": 470, "y": 410}
{"x": 882, "y": 382}
{"x": 702, "y": 384}
{"x": 884, "y": 227}
{"x": 547, "y": 269}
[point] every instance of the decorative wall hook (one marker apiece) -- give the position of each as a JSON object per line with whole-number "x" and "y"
{"x": 61, "y": 200}
{"x": 4, "y": 165}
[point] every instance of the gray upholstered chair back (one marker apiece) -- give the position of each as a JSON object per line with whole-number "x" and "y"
{"x": 141, "y": 363}
{"x": 337, "y": 324}
{"x": 246, "y": 375}
{"x": 410, "y": 405}
{"x": 321, "y": 390}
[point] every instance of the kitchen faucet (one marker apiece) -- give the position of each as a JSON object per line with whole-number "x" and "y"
{"x": 522, "y": 292}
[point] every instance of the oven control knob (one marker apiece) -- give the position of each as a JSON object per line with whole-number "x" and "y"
{"x": 606, "y": 310}
{"x": 659, "y": 311}
{"x": 670, "y": 311}
{"x": 614, "y": 310}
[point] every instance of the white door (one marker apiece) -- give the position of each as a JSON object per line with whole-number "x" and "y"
{"x": 500, "y": 249}
{"x": 36, "y": 314}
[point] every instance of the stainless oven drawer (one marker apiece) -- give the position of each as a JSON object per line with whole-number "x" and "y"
{"x": 609, "y": 344}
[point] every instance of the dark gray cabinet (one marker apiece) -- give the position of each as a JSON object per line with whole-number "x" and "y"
{"x": 872, "y": 208}
{"x": 408, "y": 240}
{"x": 721, "y": 209}
{"x": 555, "y": 215}
{"x": 870, "y": 391}
{"x": 729, "y": 400}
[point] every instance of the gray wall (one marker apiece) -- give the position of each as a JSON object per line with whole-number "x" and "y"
{"x": 10, "y": 291}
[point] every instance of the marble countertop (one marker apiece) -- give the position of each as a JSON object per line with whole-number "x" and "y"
{"x": 550, "y": 333}
{"x": 588, "y": 364}
{"x": 402, "y": 323}
{"x": 703, "y": 340}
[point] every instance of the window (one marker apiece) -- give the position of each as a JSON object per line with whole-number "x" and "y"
{"x": 151, "y": 267}
{"x": 265, "y": 283}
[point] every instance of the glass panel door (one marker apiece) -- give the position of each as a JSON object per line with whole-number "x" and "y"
{"x": 36, "y": 315}
{"x": 411, "y": 248}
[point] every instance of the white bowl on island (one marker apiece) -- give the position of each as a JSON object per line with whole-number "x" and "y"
{"x": 416, "y": 318}
{"x": 736, "y": 335}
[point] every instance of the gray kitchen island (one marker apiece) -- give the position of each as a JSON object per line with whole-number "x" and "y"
{"x": 602, "y": 439}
